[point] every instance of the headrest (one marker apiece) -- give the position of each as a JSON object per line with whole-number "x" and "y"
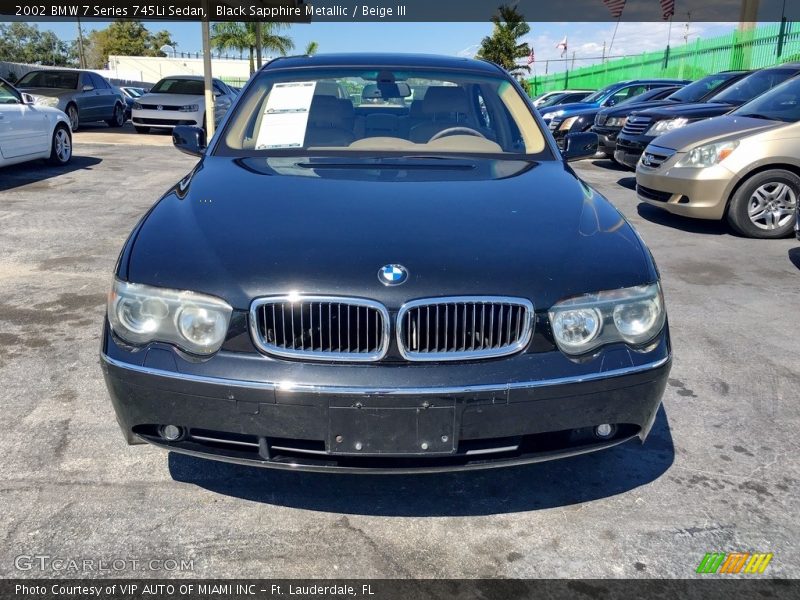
{"x": 445, "y": 99}
{"x": 326, "y": 111}
{"x": 416, "y": 111}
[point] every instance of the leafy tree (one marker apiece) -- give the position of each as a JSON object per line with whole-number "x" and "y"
{"x": 242, "y": 36}
{"x": 503, "y": 46}
{"x": 312, "y": 48}
{"x": 124, "y": 38}
{"x": 24, "y": 43}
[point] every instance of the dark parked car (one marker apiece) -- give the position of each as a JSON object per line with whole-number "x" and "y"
{"x": 561, "y": 118}
{"x": 649, "y": 124}
{"x": 85, "y": 96}
{"x": 342, "y": 287}
{"x": 583, "y": 120}
{"x": 609, "y": 122}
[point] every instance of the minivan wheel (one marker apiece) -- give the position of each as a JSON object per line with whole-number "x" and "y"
{"x": 60, "y": 146}
{"x": 765, "y": 206}
{"x": 74, "y": 118}
{"x": 118, "y": 118}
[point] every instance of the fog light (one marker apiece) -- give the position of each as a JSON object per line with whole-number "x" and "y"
{"x": 171, "y": 433}
{"x": 604, "y": 431}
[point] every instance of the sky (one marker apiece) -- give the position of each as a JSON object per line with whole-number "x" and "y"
{"x": 585, "y": 39}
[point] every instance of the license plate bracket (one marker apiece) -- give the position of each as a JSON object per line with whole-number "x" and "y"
{"x": 392, "y": 431}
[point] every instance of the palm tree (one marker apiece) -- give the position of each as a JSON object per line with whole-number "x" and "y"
{"x": 242, "y": 36}
{"x": 503, "y": 47}
{"x": 312, "y": 48}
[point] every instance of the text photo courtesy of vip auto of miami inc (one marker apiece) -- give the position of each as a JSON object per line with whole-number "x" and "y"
{"x": 400, "y": 299}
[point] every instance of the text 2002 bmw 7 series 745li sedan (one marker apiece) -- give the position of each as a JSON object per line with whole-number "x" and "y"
{"x": 410, "y": 278}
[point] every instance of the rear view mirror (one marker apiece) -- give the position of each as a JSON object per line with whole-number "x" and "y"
{"x": 189, "y": 139}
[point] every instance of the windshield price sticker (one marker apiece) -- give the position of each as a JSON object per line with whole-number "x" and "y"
{"x": 285, "y": 118}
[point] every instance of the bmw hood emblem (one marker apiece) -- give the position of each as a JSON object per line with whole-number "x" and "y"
{"x": 392, "y": 274}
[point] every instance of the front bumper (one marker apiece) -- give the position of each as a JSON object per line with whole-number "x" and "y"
{"x": 607, "y": 139}
{"x": 629, "y": 149}
{"x": 165, "y": 119}
{"x": 695, "y": 193}
{"x": 268, "y": 412}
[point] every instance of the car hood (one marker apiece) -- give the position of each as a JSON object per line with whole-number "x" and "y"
{"x": 47, "y": 92}
{"x": 173, "y": 99}
{"x": 242, "y": 228}
{"x": 694, "y": 110}
{"x": 626, "y": 109}
{"x": 569, "y": 108}
{"x": 712, "y": 130}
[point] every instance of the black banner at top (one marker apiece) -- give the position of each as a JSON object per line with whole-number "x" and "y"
{"x": 395, "y": 10}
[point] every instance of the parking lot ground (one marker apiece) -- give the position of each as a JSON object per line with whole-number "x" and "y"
{"x": 718, "y": 473}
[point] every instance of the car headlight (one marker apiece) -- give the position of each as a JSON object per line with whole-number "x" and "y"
{"x": 141, "y": 314}
{"x": 553, "y": 114}
{"x": 616, "y": 122}
{"x": 631, "y": 315}
{"x": 567, "y": 123}
{"x": 137, "y": 106}
{"x": 189, "y": 108}
{"x": 666, "y": 125}
{"x": 46, "y": 101}
{"x": 707, "y": 155}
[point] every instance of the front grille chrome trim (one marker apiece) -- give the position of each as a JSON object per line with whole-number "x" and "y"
{"x": 521, "y": 340}
{"x": 321, "y": 355}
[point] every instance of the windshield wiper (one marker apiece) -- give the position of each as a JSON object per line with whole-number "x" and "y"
{"x": 756, "y": 116}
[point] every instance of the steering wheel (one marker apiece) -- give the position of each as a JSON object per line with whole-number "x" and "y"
{"x": 455, "y": 130}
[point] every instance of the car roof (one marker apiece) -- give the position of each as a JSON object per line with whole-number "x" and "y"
{"x": 378, "y": 60}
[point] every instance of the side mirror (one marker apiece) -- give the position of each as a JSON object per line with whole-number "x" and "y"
{"x": 28, "y": 99}
{"x": 190, "y": 139}
{"x": 579, "y": 145}
{"x": 87, "y": 88}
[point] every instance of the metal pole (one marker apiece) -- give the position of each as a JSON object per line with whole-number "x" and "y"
{"x": 209, "y": 84}
{"x": 81, "y": 57}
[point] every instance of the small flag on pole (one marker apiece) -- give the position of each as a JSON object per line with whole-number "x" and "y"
{"x": 616, "y": 7}
{"x": 531, "y": 56}
{"x": 667, "y": 9}
{"x": 562, "y": 45}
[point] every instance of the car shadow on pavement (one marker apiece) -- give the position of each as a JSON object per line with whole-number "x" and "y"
{"x": 609, "y": 164}
{"x": 629, "y": 183}
{"x": 662, "y": 217}
{"x": 794, "y": 256}
{"x": 507, "y": 490}
{"x": 37, "y": 171}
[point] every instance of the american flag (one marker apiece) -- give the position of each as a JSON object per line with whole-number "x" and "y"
{"x": 562, "y": 45}
{"x": 667, "y": 9}
{"x": 616, "y": 7}
{"x": 531, "y": 56}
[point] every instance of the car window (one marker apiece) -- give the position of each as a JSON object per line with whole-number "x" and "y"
{"x": 625, "y": 93}
{"x": 86, "y": 79}
{"x": 49, "y": 79}
{"x": 8, "y": 95}
{"x": 700, "y": 88}
{"x": 176, "y": 85}
{"x": 781, "y": 103}
{"x": 754, "y": 84}
{"x": 98, "y": 82}
{"x": 388, "y": 111}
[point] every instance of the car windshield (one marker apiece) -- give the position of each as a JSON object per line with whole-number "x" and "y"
{"x": 751, "y": 86}
{"x": 699, "y": 89}
{"x": 781, "y": 103}
{"x": 402, "y": 112}
{"x": 174, "y": 85}
{"x": 49, "y": 79}
{"x": 552, "y": 100}
{"x": 600, "y": 94}
{"x": 134, "y": 92}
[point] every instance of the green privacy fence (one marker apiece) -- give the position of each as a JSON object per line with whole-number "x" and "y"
{"x": 764, "y": 46}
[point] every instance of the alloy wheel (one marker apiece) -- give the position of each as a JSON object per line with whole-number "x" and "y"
{"x": 63, "y": 145}
{"x": 72, "y": 113}
{"x": 772, "y": 205}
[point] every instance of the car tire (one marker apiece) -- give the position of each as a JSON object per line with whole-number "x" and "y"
{"x": 74, "y": 117}
{"x": 118, "y": 118}
{"x": 141, "y": 129}
{"x": 60, "y": 145}
{"x": 765, "y": 205}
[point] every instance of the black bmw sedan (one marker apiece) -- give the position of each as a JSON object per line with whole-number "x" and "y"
{"x": 411, "y": 278}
